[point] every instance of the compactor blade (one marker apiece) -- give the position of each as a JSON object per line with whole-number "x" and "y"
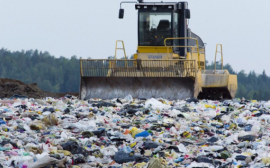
{"x": 139, "y": 87}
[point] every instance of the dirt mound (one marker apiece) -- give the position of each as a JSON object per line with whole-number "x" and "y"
{"x": 10, "y": 87}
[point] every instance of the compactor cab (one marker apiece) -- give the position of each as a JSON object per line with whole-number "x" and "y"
{"x": 169, "y": 63}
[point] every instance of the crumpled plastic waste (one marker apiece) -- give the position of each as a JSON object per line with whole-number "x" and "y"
{"x": 129, "y": 132}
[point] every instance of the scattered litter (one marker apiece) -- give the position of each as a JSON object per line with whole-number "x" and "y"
{"x": 129, "y": 132}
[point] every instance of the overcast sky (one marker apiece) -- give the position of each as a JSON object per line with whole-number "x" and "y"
{"x": 89, "y": 28}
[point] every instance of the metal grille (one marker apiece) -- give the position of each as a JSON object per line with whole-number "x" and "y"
{"x": 137, "y": 68}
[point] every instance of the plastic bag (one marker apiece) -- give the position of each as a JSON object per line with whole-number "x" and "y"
{"x": 50, "y": 120}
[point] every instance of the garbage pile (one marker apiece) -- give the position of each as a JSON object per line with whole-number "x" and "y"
{"x": 127, "y": 132}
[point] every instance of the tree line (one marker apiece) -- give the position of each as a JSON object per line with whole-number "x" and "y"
{"x": 62, "y": 74}
{"x": 50, "y": 73}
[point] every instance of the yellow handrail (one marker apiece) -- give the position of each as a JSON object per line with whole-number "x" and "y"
{"x": 120, "y": 49}
{"x": 143, "y": 68}
{"x": 221, "y": 56}
{"x": 135, "y": 60}
{"x": 179, "y": 38}
{"x": 81, "y": 67}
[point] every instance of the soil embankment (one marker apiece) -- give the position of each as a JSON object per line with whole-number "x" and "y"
{"x": 10, "y": 87}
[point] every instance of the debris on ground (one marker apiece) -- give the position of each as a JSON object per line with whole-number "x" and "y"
{"x": 129, "y": 132}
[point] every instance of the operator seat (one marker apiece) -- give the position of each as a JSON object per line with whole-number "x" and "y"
{"x": 163, "y": 31}
{"x": 163, "y": 25}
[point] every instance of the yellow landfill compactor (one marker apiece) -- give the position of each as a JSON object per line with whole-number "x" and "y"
{"x": 169, "y": 63}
